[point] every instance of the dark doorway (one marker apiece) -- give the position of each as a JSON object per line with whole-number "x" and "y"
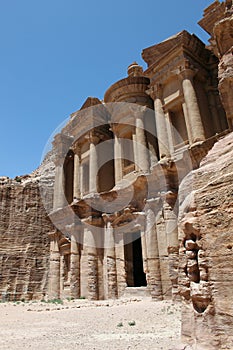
{"x": 135, "y": 275}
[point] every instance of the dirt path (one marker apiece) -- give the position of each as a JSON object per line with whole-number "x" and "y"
{"x": 81, "y": 324}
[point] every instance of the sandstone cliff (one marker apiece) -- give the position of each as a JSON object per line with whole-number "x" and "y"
{"x": 24, "y": 227}
{"x": 218, "y": 22}
{"x": 206, "y": 250}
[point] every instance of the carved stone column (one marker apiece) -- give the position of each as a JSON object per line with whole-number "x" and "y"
{"x": 120, "y": 262}
{"x": 61, "y": 146}
{"x": 142, "y": 228}
{"x": 170, "y": 218}
{"x": 142, "y": 150}
{"x": 190, "y": 98}
{"x": 135, "y": 152}
{"x": 92, "y": 259}
{"x": 59, "y": 200}
{"x": 214, "y": 99}
{"x": 77, "y": 175}
{"x": 93, "y": 161}
{"x": 62, "y": 276}
{"x": 162, "y": 135}
{"x": 153, "y": 261}
{"x": 75, "y": 263}
{"x": 111, "y": 261}
{"x": 117, "y": 158}
{"x": 187, "y": 122}
{"x": 54, "y": 266}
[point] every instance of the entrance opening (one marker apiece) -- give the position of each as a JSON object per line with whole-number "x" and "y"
{"x": 135, "y": 275}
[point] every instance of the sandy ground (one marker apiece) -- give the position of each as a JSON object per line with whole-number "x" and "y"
{"x": 81, "y": 324}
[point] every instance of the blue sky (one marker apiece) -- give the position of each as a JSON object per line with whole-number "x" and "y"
{"x": 55, "y": 53}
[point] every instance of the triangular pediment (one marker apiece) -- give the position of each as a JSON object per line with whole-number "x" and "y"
{"x": 155, "y": 52}
{"x": 90, "y": 101}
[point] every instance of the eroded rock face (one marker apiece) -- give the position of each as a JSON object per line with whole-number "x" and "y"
{"x": 24, "y": 227}
{"x": 218, "y": 22}
{"x": 206, "y": 250}
{"x": 225, "y": 75}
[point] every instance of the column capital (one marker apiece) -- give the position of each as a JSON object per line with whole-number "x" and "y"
{"x": 187, "y": 70}
{"x": 93, "y": 137}
{"x": 107, "y": 219}
{"x": 115, "y": 129}
{"x": 54, "y": 235}
{"x": 168, "y": 198}
{"x": 155, "y": 91}
{"x": 140, "y": 112}
{"x": 76, "y": 148}
{"x": 59, "y": 159}
{"x": 187, "y": 73}
{"x": 153, "y": 204}
{"x": 61, "y": 146}
{"x": 62, "y": 142}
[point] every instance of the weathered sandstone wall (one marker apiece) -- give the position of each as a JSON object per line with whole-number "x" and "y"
{"x": 206, "y": 250}
{"x": 24, "y": 227}
{"x": 218, "y": 22}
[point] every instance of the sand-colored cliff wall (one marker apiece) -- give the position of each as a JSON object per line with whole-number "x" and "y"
{"x": 24, "y": 227}
{"x": 206, "y": 250}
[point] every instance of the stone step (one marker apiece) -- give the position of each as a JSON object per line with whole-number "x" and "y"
{"x": 136, "y": 292}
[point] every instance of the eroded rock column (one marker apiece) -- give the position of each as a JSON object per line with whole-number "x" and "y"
{"x": 153, "y": 261}
{"x": 92, "y": 259}
{"x": 120, "y": 262}
{"x": 212, "y": 95}
{"x": 111, "y": 261}
{"x": 54, "y": 266}
{"x": 142, "y": 150}
{"x": 77, "y": 186}
{"x": 187, "y": 123}
{"x": 75, "y": 263}
{"x": 117, "y": 158}
{"x": 162, "y": 134}
{"x": 144, "y": 246}
{"x": 191, "y": 102}
{"x": 59, "y": 185}
{"x": 170, "y": 218}
{"x": 93, "y": 175}
{"x": 61, "y": 146}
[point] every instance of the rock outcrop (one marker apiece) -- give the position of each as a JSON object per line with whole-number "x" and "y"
{"x": 206, "y": 250}
{"x": 218, "y": 22}
{"x": 24, "y": 227}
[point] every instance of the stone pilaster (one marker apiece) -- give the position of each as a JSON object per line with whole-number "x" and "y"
{"x": 75, "y": 263}
{"x": 54, "y": 267}
{"x": 187, "y": 123}
{"x": 144, "y": 251}
{"x": 92, "y": 260}
{"x": 170, "y": 218}
{"x": 212, "y": 99}
{"x": 111, "y": 261}
{"x": 77, "y": 175}
{"x": 153, "y": 260}
{"x": 120, "y": 263}
{"x": 62, "y": 276}
{"x": 135, "y": 152}
{"x": 61, "y": 145}
{"x": 93, "y": 163}
{"x": 161, "y": 124}
{"x": 142, "y": 150}
{"x": 117, "y": 158}
{"x": 195, "y": 122}
{"x": 59, "y": 200}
